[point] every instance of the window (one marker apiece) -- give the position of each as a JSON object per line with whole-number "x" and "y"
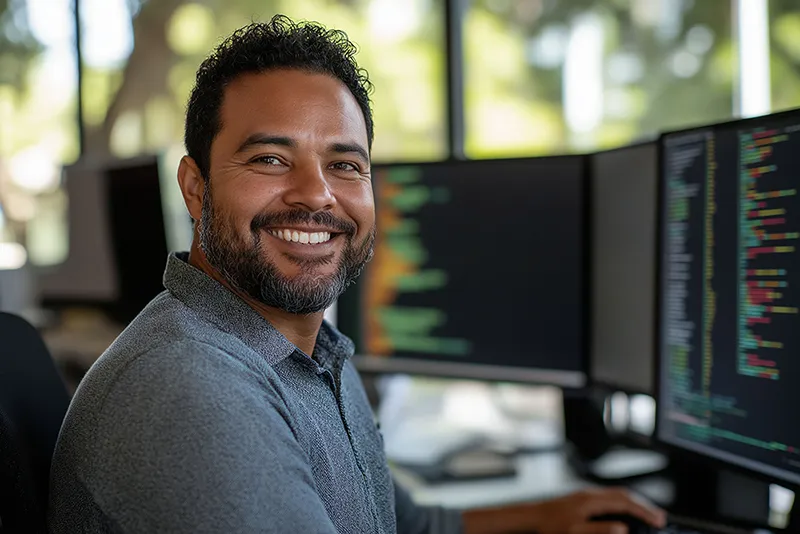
{"x": 784, "y": 24}
{"x": 541, "y": 77}
{"x": 547, "y": 76}
{"x": 38, "y": 124}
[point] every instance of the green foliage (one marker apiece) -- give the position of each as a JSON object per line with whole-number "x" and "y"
{"x": 17, "y": 44}
{"x": 514, "y": 34}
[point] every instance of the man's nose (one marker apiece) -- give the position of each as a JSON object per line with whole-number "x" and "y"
{"x": 309, "y": 190}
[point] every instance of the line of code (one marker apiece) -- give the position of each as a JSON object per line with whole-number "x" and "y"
{"x": 763, "y": 236}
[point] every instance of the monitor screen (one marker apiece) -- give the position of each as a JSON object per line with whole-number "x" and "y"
{"x": 478, "y": 271}
{"x": 91, "y": 274}
{"x": 729, "y": 340}
{"x": 623, "y": 233}
{"x": 138, "y": 236}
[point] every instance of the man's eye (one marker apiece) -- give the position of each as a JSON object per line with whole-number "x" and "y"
{"x": 344, "y": 166}
{"x": 267, "y": 160}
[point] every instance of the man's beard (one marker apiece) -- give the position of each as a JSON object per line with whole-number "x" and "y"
{"x": 242, "y": 264}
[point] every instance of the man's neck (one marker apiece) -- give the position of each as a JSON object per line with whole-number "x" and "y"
{"x": 301, "y": 330}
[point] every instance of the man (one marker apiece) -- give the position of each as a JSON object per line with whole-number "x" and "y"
{"x": 229, "y": 405}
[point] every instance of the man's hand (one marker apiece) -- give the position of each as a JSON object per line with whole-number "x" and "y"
{"x": 572, "y": 514}
{"x": 567, "y": 515}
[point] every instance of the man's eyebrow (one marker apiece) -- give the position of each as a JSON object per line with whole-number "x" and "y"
{"x": 350, "y": 148}
{"x": 258, "y": 139}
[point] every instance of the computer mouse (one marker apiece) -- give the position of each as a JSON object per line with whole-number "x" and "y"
{"x": 634, "y": 524}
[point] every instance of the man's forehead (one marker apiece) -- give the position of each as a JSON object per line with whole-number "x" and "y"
{"x": 291, "y": 100}
{"x": 274, "y": 90}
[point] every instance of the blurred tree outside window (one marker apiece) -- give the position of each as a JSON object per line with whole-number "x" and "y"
{"x": 549, "y": 76}
{"x": 38, "y": 123}
{"x": 785, "y": 53}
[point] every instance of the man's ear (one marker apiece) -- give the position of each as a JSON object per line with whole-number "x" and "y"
{"x": 192, "y": 185}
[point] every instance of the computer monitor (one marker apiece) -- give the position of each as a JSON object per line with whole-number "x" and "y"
{"x": 118, "y": 238}
{"x": 623, "y": 233}
{"x": 87, "y": 276}
{"x": 138, "y": 235}
{"x": 478, "y": 272}
{"x": 729, "y": 291}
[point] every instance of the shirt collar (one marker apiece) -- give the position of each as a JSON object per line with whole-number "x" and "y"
{"x": 221, "y": 307}
{"x": 332, "y": 349}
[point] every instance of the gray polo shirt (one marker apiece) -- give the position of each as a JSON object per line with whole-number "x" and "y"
{"x": 201, "y": 417}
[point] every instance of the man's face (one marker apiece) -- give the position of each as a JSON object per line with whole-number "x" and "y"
{"x": 288, "y": 214}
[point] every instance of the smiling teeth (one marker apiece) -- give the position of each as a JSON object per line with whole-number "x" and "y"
{"x": 305, "y": 238}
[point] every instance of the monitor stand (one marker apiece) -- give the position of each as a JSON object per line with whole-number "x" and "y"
{"x": 794, "y": 517}
{"x": 707, "y": 492}
{"x": 594, "y": 453}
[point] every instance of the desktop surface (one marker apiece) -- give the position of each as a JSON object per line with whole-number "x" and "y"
{"x": 729, "y": 295}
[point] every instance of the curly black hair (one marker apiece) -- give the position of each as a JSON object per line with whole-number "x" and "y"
{"x": 263, "y": 46}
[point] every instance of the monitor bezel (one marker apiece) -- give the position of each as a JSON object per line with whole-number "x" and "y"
{"x": 469, "y": 371}
{"x": 577, "y": 380}
{"x": 593, "y": 381}
{"x": 677, "y": 450}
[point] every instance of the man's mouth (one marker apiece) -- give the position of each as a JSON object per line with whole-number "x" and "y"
{"x": 298, "y": 236}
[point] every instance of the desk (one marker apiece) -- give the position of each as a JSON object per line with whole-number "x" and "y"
{"x": 540, "y": 476}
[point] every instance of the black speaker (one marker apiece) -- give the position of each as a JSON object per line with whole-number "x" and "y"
{"x": 584, "y": 426}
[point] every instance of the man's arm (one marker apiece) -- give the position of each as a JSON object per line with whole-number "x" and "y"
{"x": 415, "y": 519}
{"x": 191, "y": 440}
{"x": 570, "y": 514}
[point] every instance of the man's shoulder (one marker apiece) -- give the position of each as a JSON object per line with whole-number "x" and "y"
{"x": 165, "y": 367}
{"x": 169, "y": 347}
{"x": 166, "y": 402}
{"x": 167, "y": 324}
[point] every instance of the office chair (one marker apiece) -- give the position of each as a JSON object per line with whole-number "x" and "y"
{"x": 33, "y": 402}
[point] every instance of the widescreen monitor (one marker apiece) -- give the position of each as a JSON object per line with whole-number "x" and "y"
{"x": 729, "y": 293}
{"x": 479, "y": 272}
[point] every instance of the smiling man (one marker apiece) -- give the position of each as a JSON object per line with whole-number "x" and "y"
{"x": 229, "y": 405}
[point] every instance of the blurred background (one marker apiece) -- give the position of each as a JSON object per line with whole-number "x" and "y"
{"x": 93, "y": 92}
